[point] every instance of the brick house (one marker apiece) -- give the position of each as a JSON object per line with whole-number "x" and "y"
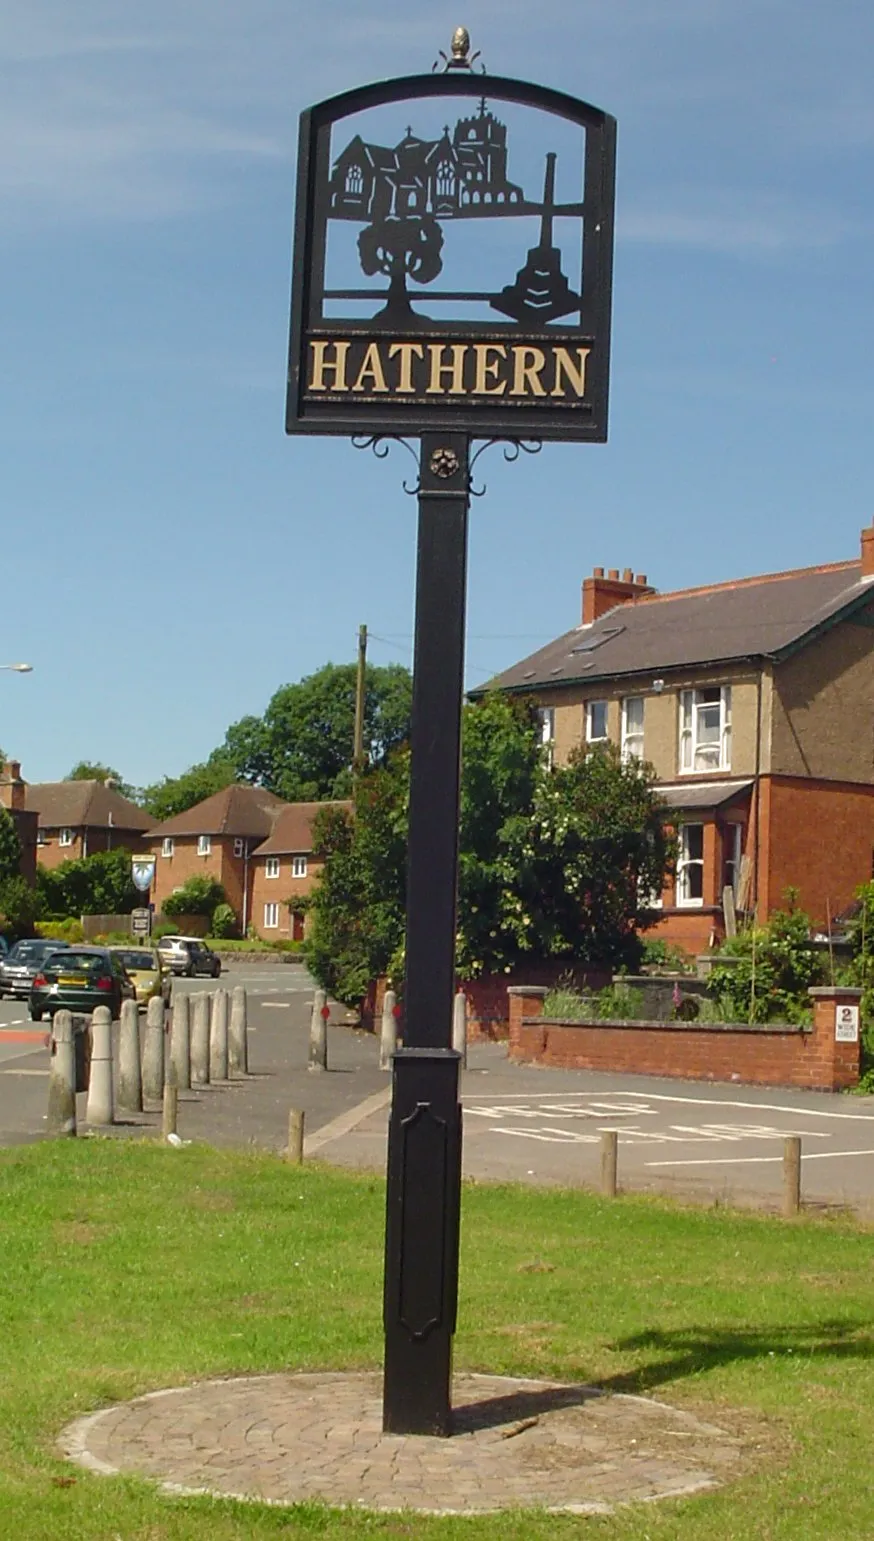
{"x": 13, "y": 799}
{"x": 754, "y": 702}
{"x": 216, "y": 838}
{"x": 284, "y": 869}
{"x": 79, "y": 818}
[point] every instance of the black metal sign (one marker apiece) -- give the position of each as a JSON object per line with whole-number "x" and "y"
{"x": 453, "y": 260}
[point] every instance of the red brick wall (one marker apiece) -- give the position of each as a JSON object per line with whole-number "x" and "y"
{"x": 775, "y": 1056}
{"x": 279, "y": 890}
{"x": 818, "y": 837}
{"x": 87, "y": 842}
{"x": 488, "y": 1016}
{"x": 171, "y": 872}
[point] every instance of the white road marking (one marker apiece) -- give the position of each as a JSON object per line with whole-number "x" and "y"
{"x": 705, "y": 1102}
{"x": 277, "y": 1005}
{"x": 13, "y": 1071}
{"x": 818, "y": 1155}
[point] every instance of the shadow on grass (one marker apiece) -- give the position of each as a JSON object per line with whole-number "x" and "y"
{"x": 698, "y": 1349}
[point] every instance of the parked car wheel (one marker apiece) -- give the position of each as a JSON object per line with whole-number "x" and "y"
{"x": 35, "y": 1015}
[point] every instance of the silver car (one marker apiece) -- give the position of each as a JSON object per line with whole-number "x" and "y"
{"x": 188, "y": 955}
{"x": 19, "y": 969}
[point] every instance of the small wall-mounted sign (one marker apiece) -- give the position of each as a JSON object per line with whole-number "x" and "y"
{"x": 453, "y": 261}
{"x": 846, "y": 1024}
{"x": 141, "y": 922}
{"x": 142, "y": 871}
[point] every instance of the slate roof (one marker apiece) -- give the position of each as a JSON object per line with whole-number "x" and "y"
{"x": 702, "y": 794}
{"x": 765, "y": 617}
{"x": 293, "y": 831}
{"x": 83, "y": 804}
{"x": 236, "y": 810}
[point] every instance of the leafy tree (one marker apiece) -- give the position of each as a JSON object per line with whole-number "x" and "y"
{"x": 91, "y": 885}
{"x": 302, "y": 747}
{"x": 175, "y": 794}
{"x": 199, "y": 896}
{"x": 224, "y": 921}
{"x": 85, "y": 770}
{"x": 19, "y": 907}
{"x": 552, "y": 862}
{"x": 774, "y": 966}
{"x": 10, "y": 846}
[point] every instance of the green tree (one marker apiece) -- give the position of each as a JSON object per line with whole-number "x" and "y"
{"x": 175, "y": 794}
{"x": 773, "y": 967}
{"x": 199, "y": 896}
{"x": 10, "y": 846}
{"x": 86, "y": 770}
{"x": 92, "y": 885}
{"x": 19, "y": 907}
{"x": 302, "y": 747}
{"x": 552, "y": 862}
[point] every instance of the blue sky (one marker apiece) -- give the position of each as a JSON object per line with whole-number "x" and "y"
{"x": 169, "y": 557}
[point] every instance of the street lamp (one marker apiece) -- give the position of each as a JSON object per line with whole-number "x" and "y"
{"x": 18, "y": 668}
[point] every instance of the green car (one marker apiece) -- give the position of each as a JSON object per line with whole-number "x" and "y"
{"x": 79, "y": 979}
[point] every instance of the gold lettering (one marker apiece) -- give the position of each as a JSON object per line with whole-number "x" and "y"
{"x": 439, "y": 369}
{"x": 489, "y": 368}
{"x": 407, "y": 351}
{"x": 371, "y": 369}
{"x": 337, "y": 365}
{"x": 576, "y": 377}
{"x": 529, "y": 365}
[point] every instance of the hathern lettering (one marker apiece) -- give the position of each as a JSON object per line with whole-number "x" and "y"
{"x": 425, "y": 369}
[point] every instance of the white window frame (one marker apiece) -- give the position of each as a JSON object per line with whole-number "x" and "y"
{"x": 271, "y": 867}
{"x": 271, "y": 916}
{"x": 632, "y": 734}
{"x": 546, "y": 714}
{"x": 591, "y": 736}
{"x": 167, "y": 846}
{"x": 697, "y": 756}
{"x": 41, "y": 837}
{"x": 204, "y": 845}
{"x": 239, "y": 846}
{"x": 65, "y": 836}
{"x": 298, "y": 866}
{"x": 685, "y": 865}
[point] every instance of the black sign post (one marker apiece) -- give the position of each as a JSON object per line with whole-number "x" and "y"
{"x": 520, "y": 359}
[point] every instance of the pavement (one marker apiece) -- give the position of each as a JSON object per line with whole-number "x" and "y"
{"x": 522, "y": 1124}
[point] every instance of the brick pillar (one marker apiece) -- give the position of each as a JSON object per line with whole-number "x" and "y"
{"x": 525, "y": 1001}
{"x": 838, "y": 1059}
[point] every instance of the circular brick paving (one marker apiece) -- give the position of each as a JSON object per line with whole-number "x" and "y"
{"x": 287, "y": 1438}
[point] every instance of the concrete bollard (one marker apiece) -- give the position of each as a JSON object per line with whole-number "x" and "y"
{"x": 318, "y": 1056}
{"x": 791, "y": 1175}
{"x": 296, "y": 1119}
{"x": 130, "y": 1080}
{"x": 200, "y": 1039}
{"x": 100, "y": 1108}
{"x": 388, "y": 1038}
{"x": 238, "y": 1034}
{"x": 153, "y": 1051}
{"x": 459, "y": 1026}
{"x": 180, "y": 1040}
{"x": 218, "y": 1037}
{"x": 170, "y": 1102}
{"x": 61, "y": 1117}
{"x": 609, "y": 1162}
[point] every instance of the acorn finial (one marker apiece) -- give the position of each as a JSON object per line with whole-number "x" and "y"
{"x": 460, "y": 45}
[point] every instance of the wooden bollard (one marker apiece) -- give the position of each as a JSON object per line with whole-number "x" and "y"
{"x": 170, "y": 1103}
{"x": 130, "y": 1080}
{"x": 791, "y": 1175}
{"x": 100, "y": 1107}
{"x": 609, "y": 1162}
{"x": 294, "y": 1152}
{"x": 318, "y": 1055}
{"x": 61, "y": 1117}
{"x": 459, "y": 1026}
{"x": 388, "y": 1037}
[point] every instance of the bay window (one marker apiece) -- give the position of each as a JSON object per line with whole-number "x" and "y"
{"x": 690, "y": 865}
{"x": 705, "y": 729}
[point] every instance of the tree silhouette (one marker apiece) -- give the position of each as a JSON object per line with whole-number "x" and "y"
{"x": 401, "y": 248}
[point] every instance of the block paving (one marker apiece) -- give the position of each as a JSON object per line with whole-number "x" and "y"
{"x": 289, "y": 1438}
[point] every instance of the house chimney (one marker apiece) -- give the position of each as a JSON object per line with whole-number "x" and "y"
{"x": 601, "y": 594}
{"x": 11, "y": 786}
{"x": 868, "y": 552}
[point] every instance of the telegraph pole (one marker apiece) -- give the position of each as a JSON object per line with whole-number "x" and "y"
{"x": 358, "y": 749}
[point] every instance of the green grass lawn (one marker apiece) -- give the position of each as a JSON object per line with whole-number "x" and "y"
{"x": 130, "y": 1266}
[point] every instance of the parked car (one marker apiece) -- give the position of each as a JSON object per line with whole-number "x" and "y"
{"x": 24, "y": 961}
{"x": 80, "y": 979}
{"x": 148, "y": 975}
{"x": 188, "y": 955}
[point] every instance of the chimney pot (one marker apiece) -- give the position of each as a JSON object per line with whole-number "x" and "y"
{"x": 613, "y": 572}
{"x": 868, "y": 553}
{"x": 641, "y": 579}
{"x": 597, "y": 572}
{"x": 627, "y": 575}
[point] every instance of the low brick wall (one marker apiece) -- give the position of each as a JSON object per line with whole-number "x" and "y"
{"x": 488, "y": 1017}
{"x": 757, "y": 1056}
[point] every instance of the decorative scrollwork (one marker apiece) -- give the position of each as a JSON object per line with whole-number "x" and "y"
{"x": 512, "y": 449}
